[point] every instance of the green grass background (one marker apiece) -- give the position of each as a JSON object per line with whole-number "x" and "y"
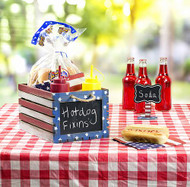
{"x": 180, "y": 90}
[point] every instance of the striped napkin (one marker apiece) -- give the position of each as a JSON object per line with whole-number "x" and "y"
{"x": 139, "y": 145}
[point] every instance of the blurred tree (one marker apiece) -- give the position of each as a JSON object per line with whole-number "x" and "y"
{"x": 14, "y": 14}
{"x": 104, "y": 20}
{"x": 98, "y": 19}
{"x": 138, "y": 11}
{"x": 167, "y": 35}
{"x": 101, "y": 27}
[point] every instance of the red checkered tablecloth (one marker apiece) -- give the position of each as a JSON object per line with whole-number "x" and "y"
{"x": 26, "y": 160}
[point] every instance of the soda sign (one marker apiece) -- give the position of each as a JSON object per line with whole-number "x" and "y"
{"x": 147, "y": 93}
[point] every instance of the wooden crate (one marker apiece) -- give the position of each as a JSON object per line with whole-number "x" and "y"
{"x": 43, "y": 113}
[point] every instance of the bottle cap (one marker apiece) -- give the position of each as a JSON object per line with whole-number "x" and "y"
{"x": 59, "y": 85}
{"x": 130, "y": 60}
{"x": 163, "y": 60}
{"x": 142, "y": 62}
{"x": 91, "y": 83}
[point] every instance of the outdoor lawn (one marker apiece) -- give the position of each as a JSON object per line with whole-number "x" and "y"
{"x": 180, "y": 90}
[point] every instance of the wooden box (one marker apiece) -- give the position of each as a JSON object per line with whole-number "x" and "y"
{"x": 64, "y": 117}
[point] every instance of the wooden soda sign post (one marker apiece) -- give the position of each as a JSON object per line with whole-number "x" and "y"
{"x": 147, "y": 94}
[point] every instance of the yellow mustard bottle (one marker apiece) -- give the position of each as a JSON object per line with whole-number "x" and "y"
{"x": 91, "y": 83}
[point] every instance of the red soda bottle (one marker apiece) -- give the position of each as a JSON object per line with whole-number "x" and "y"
{"x": 144, "y": 80}
{"x": 164, "y": 80}
{"x": 128, "y": 86}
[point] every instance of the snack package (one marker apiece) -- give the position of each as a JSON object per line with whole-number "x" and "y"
{"x": 146, "y": 133}
{"x": 55, "y": 37}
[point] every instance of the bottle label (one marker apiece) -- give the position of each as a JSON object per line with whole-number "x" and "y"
{"x": 147, "y": 93}
{"x": 53, "y": 74}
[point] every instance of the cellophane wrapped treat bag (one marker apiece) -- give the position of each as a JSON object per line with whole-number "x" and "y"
{"x": 55, "y": 37}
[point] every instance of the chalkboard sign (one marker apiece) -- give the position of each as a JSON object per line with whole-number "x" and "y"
{"x": 147, "y": 93}
{"x": 80, "y": 117}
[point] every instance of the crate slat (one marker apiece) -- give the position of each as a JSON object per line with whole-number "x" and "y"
{"x": 36, "y": 122}
{"x": 35, "y": 91}
{"x": 36, "y": 115}
{"x": 76, "y": 88}
{"x": 36, "y": 131}
{"x": 36, "y": 99}
{"x": 36, "y": 107}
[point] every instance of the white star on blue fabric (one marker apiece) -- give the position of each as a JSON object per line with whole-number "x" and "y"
{"x": 59, "y": 99}
{"x": 85, "y": 96}
{"x": 55, "y": 108}
{"x": 86, "y": 134}
{"x": 58, "y": 118}
{"x": 138, "y": 145}
{"x": 104, "y": 106}
{"x": 104, "y": 132}
{"x": 68, "y": 135}
{"x": 76, "y": 137}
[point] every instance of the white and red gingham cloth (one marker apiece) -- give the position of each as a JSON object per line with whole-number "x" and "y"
{"x": 26, "y": 160}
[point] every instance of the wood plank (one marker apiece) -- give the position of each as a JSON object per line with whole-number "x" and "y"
{"x": 78, "y": 75}
{"x": 36, "y": 115}
{"x": 35, "y": 91}
{"x": 76, "y": 88}
{"x": 36, "y": 131}
{"x": 36, "y": 107}
{"x": 36, "y": 122}
{"x": 36, "y": 99}
{"x": 75, "y": 82}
